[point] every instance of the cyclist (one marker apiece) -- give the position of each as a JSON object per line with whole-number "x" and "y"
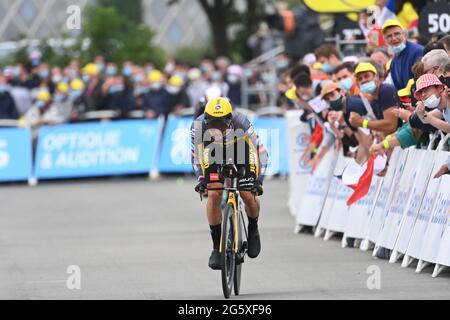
{"x": 215, "y": 135}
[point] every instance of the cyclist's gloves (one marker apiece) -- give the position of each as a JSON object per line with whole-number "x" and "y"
{"x": 257, "y": 188}
{"x": 201, "y": 186}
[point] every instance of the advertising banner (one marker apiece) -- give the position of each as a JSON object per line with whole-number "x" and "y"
{"x": 15, "y": 154}
{"x": 97, "y": 149}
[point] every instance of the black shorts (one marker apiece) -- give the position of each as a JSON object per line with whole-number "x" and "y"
{"x": 245, "y": 159}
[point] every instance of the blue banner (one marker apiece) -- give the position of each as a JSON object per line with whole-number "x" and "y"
{"x": 176, "y": 146}
{"x": 273, "y": 134}
{"x": 97, "y": 149}
{"x": 15, "y": 154}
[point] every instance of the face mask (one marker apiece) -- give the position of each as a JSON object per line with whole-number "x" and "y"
{"x": 43, "y": 74}
{"x": 266, "y": 77}
{"x": 248, "y": 73}
{"x": 169, "y": 68}
{"x": 17, "y": 72}
{"x": 432, "y": 101}
{"x": 58, "y": 98}
{"x": 127, "y": 71}
{"x": 398, "y": 48}
{"x": 35, "y": 62}
{"x": 204, "y": 68}
{"x": 148, "y": 70}
{"x": 369, "y": 87}
{"x": 40, "y": 104}
{"x": 336, "y": 105}
{"x": 115, "y": 89}
{"x": 57, "y": 78}
{"x": 216, "y": 76}
{"x": 111, "y": 71}
{"x": 86, "y": 78}
{"x": 305, "y": 97}
{"x": 138, "y": 78}
{"x": 155, "y": 86}
{"x": 346, "y": 84}
{"x": 173, "y": 90}
{"x": 328, "y": 68}
{"x": 232, "y": 78}
{"x": 3, "y": 88}
{"x": 142, "y": 90}
{"x": 282, "y": 65}
{"x": 75, "y": 94}
{"x": 100, "y": 66}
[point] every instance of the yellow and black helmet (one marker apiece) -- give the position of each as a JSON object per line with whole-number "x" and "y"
{"x": 218, "y": 113}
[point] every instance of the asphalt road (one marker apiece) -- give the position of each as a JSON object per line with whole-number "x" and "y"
{"x": 140, "y": 239}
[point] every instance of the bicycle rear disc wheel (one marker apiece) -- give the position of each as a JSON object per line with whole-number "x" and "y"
{"x": 227, "y": 255}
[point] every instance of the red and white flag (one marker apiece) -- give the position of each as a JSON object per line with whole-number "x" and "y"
{"x": 359, "y": 178}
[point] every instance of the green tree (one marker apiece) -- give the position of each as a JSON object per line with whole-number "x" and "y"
{"x": 221, "y": 15}
{"x": 118, "y": 38}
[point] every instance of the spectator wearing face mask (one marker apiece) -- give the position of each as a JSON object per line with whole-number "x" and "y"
{"x": 75, "y": 98}
{"x": 433, "y": 63}
{"x": 127, "y": 69}
{"x": 121, "y": 96}
{"x": 60, "y": 108}
{"x": 379, "y": 97}
{"x": 92, "y": 96}
{"x": 33, "y": 118}
{"x": 178, "y": 97}
{"x": 234, "y": 74}
{"x": 344, "y": 77}
{"x": 434, "y": 60}
{"x": 100, "y": 63}
{"x": 156, "y": 101}
{"x": 406, "y": 53}
{"x": 111, "y": 70}
{"x": 7, "y": 105}
{"x": 431, "y": 94}
{"x": 329, "y": 57}
{"x": 197, "y": 86}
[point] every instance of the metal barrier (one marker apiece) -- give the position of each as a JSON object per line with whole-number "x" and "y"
{"x": 266, "y": 90}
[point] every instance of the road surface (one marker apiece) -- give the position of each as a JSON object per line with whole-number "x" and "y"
{"x": 132, "y": 238}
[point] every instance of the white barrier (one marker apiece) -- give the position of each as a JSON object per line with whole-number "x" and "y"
{"x": 359, "y": 213}
{"x": 443, "y": 257}
{"x": 298, "y": 138}
{"x": 332, "y": 222}
{"x": 435, "y": 229}
{"x": 406, "y": 225}
{"x": 384, "y": 198}
{"x": 407, "y": 211}
{"x": 401, "y": 196}
{"x": 423, "y": 216}
{"x": 316, "y": 191}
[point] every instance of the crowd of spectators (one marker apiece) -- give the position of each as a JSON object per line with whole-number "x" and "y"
{"x": 36, "y": 93}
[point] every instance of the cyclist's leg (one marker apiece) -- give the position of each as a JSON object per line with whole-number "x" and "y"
{"x": 214, "y": 214}
{"x": 252, "y": 204}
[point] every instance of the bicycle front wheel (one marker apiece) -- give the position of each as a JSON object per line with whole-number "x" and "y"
{"x": 227, "y": 254}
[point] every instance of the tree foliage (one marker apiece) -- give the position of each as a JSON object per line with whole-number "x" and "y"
{"x": 222, "y": 14}
{"x": 118, "y": 38}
